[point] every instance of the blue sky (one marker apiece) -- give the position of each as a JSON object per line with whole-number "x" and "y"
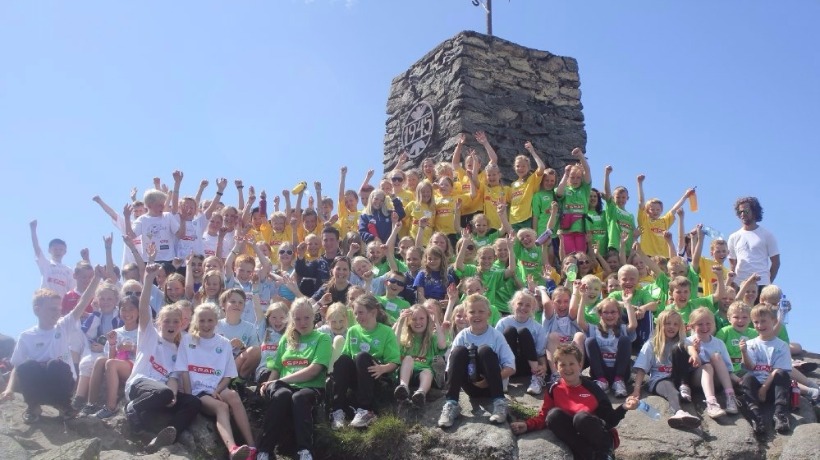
{"x": 98, "y": 97}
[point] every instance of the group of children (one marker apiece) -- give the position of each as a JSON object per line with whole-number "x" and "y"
{"x": 446, "y": 278}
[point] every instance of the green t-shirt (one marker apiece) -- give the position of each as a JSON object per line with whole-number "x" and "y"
{"x": 425, "y": 361}
{"x": 619, "y": 220}
{"x": 590, "y": 315}
{"x": 384, "y": 267}
{"x": 576, "y": 201}
{"x": 541, "y": 206}
{"x": 731, "y": 337}
{"x": 381, "y": 343}
{"x": 493, "y": 280}
{"x": 660, "y": 288}
{"x": 597, "y": 227}
{"x": 506, "y": 288}
{"x": 692, "y": 305}
{"x": 393, "y": 307}
{"x": 529, "y": 262}
{"x": 486, "y": 240}
{"x": 313, "y": 348}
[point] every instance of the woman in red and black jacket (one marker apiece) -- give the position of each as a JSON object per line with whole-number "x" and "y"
{"x": 577, "y": 410}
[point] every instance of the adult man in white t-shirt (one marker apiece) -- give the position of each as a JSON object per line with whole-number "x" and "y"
{"x": 753, "y": 249}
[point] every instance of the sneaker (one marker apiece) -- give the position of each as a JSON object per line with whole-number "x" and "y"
{"x": 89, "y": 409}
{"x": 536, "y": 385}
{"x": 363, "y": 418}
{"x": 240, "y": 452}
{"x": 685, "y": 392}
{"x": 449, "y": 414}
{"x": 419, "y": 398}
{"x": 602, "y": 384}
{"x": 731, "y": 404}
{"x": 165, "y": 437}
{"x": 713, "y": 410}
{"x": 499, "y": 414}
{"x": 781, "y": 423}
{"x": 814, "y": 396}
{"x": 79, "y": 402}
{"x": 619, "y": 388}
{"x": 683, "y": 420}
{"x": 758, "y": 427}
{"x": 32, "y": 415}
{"x": 105, "y": 413}
{"x": 304, "y": 454}
{"x": 439, "y": 371}
{"x": 401, "y": 392}
{"x": 337, "y": 419}
{"x": 133, "y": 418}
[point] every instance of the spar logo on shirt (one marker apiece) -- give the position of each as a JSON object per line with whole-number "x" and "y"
{"x": 584, "y": 395}
{"x": 663, "y": 368}
{"x": 763, "y": 367}
{"x": 158, "y": 367}
{"x": 270, "y": 347}
{"x": 56, "y": 281}
{"x": 204, "y": 370}
{"x": 295, "y": 362}
{"x": 608, "y": 355}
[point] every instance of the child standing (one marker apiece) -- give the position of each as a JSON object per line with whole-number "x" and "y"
{"x": 584, "y": 423}
{"x": 573, "y": 193}
{"x": 421, "y": 339}
{"x": 619, "y": 220}
{"x": 524, "y": 187}
{"x": 768, "y": 361}
{"x": 55, "y": 275}
{"x": 480, "y": 359}
{"x": 526, "y": 339}
{"x": 653, "y": 224}
{"x": 43, "y": 369}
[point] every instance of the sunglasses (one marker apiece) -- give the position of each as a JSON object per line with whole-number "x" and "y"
{"x": 744, "y": 211}
{"x": 397, "y": 179}
{"x": 583, "y": 262}
{"x": 286, "y": 251}
{"x": 136, "y": 293}
{"x": 396, "y": 282}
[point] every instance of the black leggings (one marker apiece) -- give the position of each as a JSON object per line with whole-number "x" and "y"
{"x": 352, "y": 375}
{"x": 49, "y": 383}
{"x": 149, "y": 397}
{"x": 289, "y": 412}
{"x": 779, "y": 392}
{"x": 584, "y": 433}
{"x": 598, "y": 368}
{"x": 487, "y": 367}
{"x": 522, "y": 344}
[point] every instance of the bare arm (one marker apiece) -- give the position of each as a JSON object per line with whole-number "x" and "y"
{"x": 696, "y": 254}
{"x": 774, "y": 268}
{"x": 108, "y": 210}
{"x": 575, "y": 307}
{"x": 35, "y": 242}
{"x": 239, "y": 187}
{"x": 88, "y": 294}
{"x": 175, "y": 192}
{"x": 562, "y": 186}
{"x": 221, "y": 183}
{"x": 578, "y": 154}
{"x": 641, "y": 201}
{"x": 108, "y": 241}
{"x": 203, "y": 184}
{"x": 456, "y": 162}
{"x": 682, "y": 199}
{"x": 607, "y": 189}
{"x": 390, "y": 252}
{"x": 481, "y": 137}
{"x": 682, "y": 235}
{"x": 137, "y": 256}
{"x": 540, "y": 166}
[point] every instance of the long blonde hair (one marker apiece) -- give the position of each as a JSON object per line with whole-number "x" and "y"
{"x": 166, "y": 311}
{"x": 290, "y": 331}
{"x": 407, "y": 336}
{"x": 193, "y": 329}
{"x": 659, "y": 340}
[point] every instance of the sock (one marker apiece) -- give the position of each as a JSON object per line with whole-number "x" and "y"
{"x": 729, "y": 392}
{"x": 711, "y": 400}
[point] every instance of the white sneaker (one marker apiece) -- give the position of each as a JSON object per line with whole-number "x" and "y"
{"x": 619, "y": 388}
{"x": 731, "y": 404}
{"x": 304, "y": 454}
{"x": 602, "y": 384}
{"x": 499, "y": 414}
{"x": 536, "y": 385}
{"x": 449, "y": 414}
{"x": 363, "y": 418}
{"x": 683, "y": 420}
{"x": 713, "y": 410}
{"x": 685, "y": 392}
{"x": 337, "y": 419}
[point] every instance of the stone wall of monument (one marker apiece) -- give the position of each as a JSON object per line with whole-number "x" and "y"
{"x": 477, "y": 82}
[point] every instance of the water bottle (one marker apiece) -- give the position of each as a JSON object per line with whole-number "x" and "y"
{"x": 795, "y": 396}
{"x": 544, "y": 237}
{"x": 572, "y": 272}
{"x": 783, "y": 310}
{"x": 648, "y": 410}
{"x": 472, "y": 365}
{"x": 712, "y": 233}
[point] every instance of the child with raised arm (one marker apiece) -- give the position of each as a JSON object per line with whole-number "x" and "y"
{"x": 710, "y": 361}
{"x": 665, "y": 361}
{"x": 43, "y": 368}
{"x": 524, "y": 187}
{"x": 576, "y": 410}
{"x": 653, "y": 223}
{"x": 421, "y": 339}
{"x": 55, "y": 275}
{"x": 558, "y": 324}
{"x": 493, "y": 277}
{"x": 573, "y": 194}
{"x": 206, "y": 366}
{"x": 619, "y": 220}
{"x": 532, "y": 257}
{"x": 155, "y": 226}
{"x": 480, "y": 359}
{"x": 526, "y": 339}
{"x": 608, "y": 343}
{"x": 768, "y": 362}
{"x": 645, "y": 305}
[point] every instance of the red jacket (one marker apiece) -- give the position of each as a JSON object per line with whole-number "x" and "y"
{"x": 586, "y": 397}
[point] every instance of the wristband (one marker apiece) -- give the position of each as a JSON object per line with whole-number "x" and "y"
{"x": 219, "y": 193}
{"x": 240, "y": 186}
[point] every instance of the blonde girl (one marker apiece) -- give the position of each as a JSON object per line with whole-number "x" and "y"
{"x": 213, "y": 285}
{"x": 422, "y": 213}
{"x": 558, "y": 324}
{"x": 527, "y": 339}
{"x": 433, "y": 279}
{"x": 524, "y": 187}
{"x": 709, "y": 358}
{"x": 174, "y": 288}
{"x": 664, "y": 360}
{"x": 337, "y": 321}
{"x": 421, "y": 338}
{"x": 375, "y": 221}
{"x": 275, "y": 323}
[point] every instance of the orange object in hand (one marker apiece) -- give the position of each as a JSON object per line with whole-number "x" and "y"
{"x": 693, "y": 202}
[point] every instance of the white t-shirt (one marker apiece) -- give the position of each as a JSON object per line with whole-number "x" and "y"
{"x": 268, "y": 348}
{"x": 493, "y": 339}
{"x": 209, "y": 244}
{"x": 207, "y": 361}
{"x": 160, "y": 231}
{"x": 155, "y": 357}
{"x": 124, "y": 336}
{"x": 656, "y": 370}
{"x": 707, "y": 349}
{"x": 608, "y": 344}
{"x": 43, "y": 345}
{"x": 192, "y": 241}
{"x": 753, "y": 250}
{"x": 539, "y": 336}
{"x": 244, "y": 331}
{"x": 55, "y": 276}
{"x": 767, "y": 356}
{"x": 127, "y": 257}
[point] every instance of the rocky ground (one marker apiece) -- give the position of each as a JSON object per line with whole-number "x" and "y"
{"x": 405, "y": 432}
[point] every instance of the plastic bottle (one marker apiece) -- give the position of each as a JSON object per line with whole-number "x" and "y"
{"x": 572, "y": 272}
{"x": 712, "y": 233}
{"x": 544, "y": 237}
{"x": 783, "y": 309}
{"x": 795, "y": 396}
{"x": 472, "y": 365}
{"x": 693, "y": 202}
{"x": 646, "y": 409}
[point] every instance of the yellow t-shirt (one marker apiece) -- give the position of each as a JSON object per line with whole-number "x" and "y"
{"x": 521, "y": 192}
{"x": 707, "y": 278}
{"x": 348, "y": 220}
{"x": 302, "y": 232}
{"x": 493, "y": 196}
{"x": 415, "y": 212}
{"x": 275, "y": 240}
{"x": 445, "y": 213}
{"x": 470, "y": 205}
{"x": 652, "y": 242}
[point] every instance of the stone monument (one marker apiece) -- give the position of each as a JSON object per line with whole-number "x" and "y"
{"x": 475, "y": 82}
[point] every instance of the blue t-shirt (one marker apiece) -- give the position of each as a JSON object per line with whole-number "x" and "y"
{"x": 432, "y": 283}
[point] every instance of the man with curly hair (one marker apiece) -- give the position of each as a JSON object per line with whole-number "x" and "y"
{"x": 753, "y": 249}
